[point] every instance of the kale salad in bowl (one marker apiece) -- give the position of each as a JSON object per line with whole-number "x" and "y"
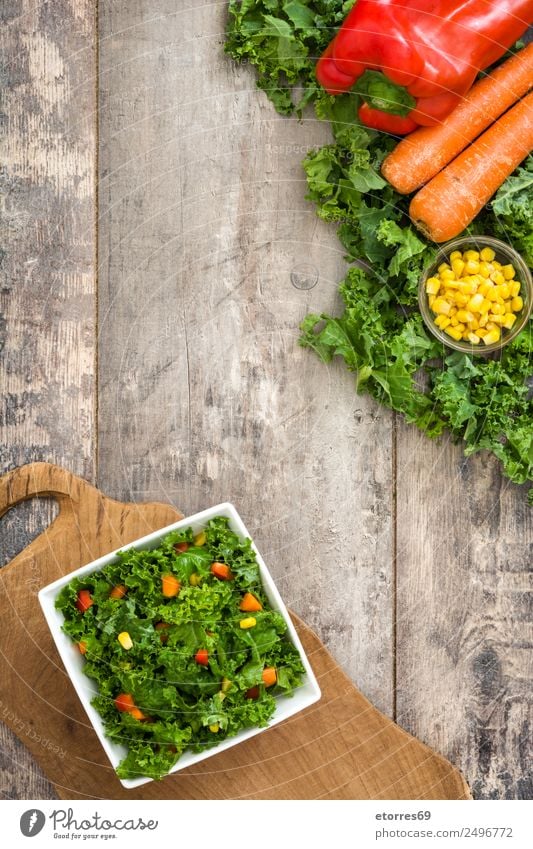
{"x": 179, "y": 645}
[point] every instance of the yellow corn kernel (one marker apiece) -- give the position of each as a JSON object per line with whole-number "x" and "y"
{"x": 432, "y": 285}
{"x": 485, "y": 269}
{"x": 487, "y": 254}
{"x": 475, "y": 302}
{"x": 431, "y": 300}
{"x": 456, "y": 255}
{"x": 461, "y": 300}
{"x": 497, "y": 265}
{"x": 215, "y": 727}
{"x": 473, "y": 325}
{"x": 225, "y": 685}
{"x": 452, "y": 311}
{"x": 447, "y": 274}
{"x": 496, "y": 319}
{"x": 200, "y": 539}
{"x": 492, "y": 337}
{"x": 454, "y": 321}
{"x": 454, "y": 333}
{"x": 485, "y": 306}
{"x": 485, "y": 287}
{"x": 471, "y": 267}
{"x": 461, "y": 327}
{"x": 466, "y": 334}
{"x": 471, "y": 256}
{"x": 443, "y": 267}
{"x": 497, "y": 277}
{"x": 508, "y": 271}
{"x": 508, "y": 320}
{"x": 125, "y": 640}
{"x": 465, "y": 316}
{"x": 481, "y": 332}
{"x": 517, "y": 303}
{"x": 497, "y": 309}
{"x": 249, "y": 622}
{"x": 483, "y": 320}
{"x": 458, "y": 265}
{"x": 195, "y": 579}
{"x": 441, "y": 306}
{"x": 504, "y": 291}
{"x": 515, "y": 288}
{"x": 492, "y": 293}
{"x": 473, "y": 338}
{"x": 508, "y": 306}
{"x": 442, "y": 321}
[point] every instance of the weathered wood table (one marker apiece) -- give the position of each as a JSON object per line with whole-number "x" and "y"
{"x": 153, "y": 226}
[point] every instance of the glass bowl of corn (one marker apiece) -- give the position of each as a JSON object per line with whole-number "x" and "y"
{"x": 477, "y": 294}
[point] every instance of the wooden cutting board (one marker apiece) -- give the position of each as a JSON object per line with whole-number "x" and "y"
{"x": 339, "y": 748}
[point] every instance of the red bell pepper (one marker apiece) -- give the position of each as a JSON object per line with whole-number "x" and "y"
{"x": 434, "y": 48}
{"x": 84, "y": 600}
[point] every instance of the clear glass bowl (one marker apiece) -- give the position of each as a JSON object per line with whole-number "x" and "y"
{"x": 504, "y": 254}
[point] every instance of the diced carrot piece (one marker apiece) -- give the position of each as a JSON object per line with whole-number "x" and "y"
{"x": 250, "y": 603}
{"x": 118, "y": 591}
{"x": 170, "y": 586}
{"x": 269, "y": 676}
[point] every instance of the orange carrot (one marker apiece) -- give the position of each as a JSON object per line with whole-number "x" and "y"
{"x": 269, "y": 676}
{"x": 170, "y": 586}
{"x": 118, "y": 592}
{"x": 451, "y": 200}
{"x": 417, "y": 158}
{"x": 250, "y": 603}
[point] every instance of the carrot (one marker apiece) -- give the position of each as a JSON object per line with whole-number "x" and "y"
{"x": 118, "y": 592}
{"x": 417, "y": 158}
{"x": 170, "y": 586}
{"x": 269, "y": 676}
{"x": 451, "y": 200}
{"x": 250, "y": 603}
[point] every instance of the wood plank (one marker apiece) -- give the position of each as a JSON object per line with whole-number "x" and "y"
{"x": 47, "y": 285}
{"x": 205, "y": 395}
{"x": 464, "y": 613}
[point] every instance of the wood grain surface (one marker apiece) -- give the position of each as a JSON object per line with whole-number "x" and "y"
{"x": 203, "y": 394}
{"x": 341, "y": 747}
{"x": 47, "y": 268}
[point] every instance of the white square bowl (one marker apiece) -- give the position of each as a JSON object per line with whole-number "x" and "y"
{"x": 305, "y": 695}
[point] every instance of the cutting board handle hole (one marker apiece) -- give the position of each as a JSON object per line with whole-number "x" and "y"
{"x": 23, "y": 523}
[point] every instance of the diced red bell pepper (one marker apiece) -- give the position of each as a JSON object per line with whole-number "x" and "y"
{"x": 252, "y": 693}
{"x": 124, "y": 703}
{"x": 202, "y": 657}
{"x": 221, "y": 571}
{"x": 84, "y": 601}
